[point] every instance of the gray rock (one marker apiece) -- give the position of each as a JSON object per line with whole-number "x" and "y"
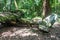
{"x": 1, "y": 25}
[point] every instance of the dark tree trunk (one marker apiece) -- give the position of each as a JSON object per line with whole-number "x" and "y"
{"x": 46, "y": 8}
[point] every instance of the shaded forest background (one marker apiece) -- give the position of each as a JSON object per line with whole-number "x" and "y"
{"x": 26, "y": 10}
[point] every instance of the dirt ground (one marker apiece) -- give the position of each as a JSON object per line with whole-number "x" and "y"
{"x": 29, "y": 33}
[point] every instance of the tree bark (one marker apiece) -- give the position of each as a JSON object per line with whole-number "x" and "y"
{"x": 46, "y": 8}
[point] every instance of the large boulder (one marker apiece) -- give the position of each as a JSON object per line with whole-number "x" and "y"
{"x": 51, "y": 19}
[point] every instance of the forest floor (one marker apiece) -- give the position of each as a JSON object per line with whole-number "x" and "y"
{"x": 29, "y": 33}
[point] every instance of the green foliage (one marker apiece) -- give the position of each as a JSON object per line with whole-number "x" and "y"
{"x": 55, "y": 4}
{"x": 31, "y": 11}
{"x": 4, "y": 16}
{"x": 31, "y": 8}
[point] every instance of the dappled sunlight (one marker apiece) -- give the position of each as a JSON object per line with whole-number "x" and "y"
{"x": 23, "y": 32}
{"x": 26, "y": 33}
{"x": 6, "y": 34}
{"x": 53, "y": 36}
{"x": 20, "y": 32}
{"x": 2, "y": 15}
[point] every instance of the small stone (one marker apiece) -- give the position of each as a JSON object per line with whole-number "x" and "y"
{"x": 53, "y": 39}
{"x": 1, "y": 25}
{"x": 52, "y": 36}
